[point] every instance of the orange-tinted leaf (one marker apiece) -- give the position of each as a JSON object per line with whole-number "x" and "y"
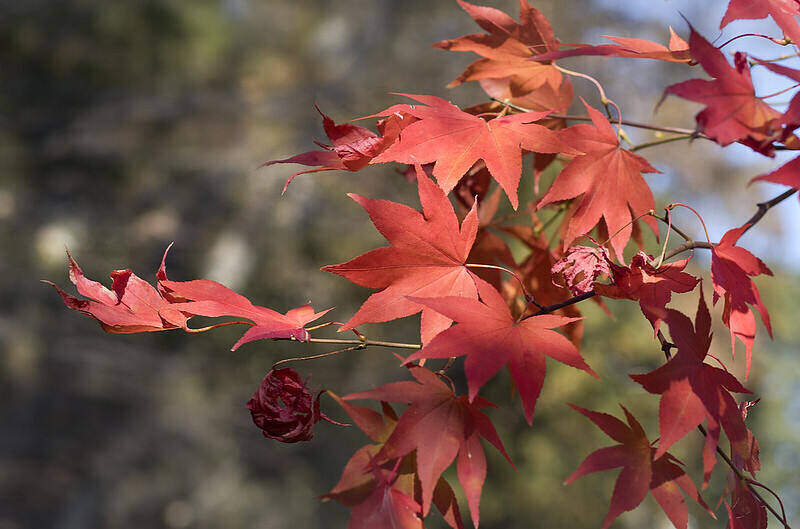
{"x": 677, "y": 50}
{"x": 491, "y": 338}
{"x": 731, "y": 268}
{"x": 455, "y": 140}
{"x": 426, "y": 257}
{"x": 608, "y": 180}
{"x": 507, "y": 48}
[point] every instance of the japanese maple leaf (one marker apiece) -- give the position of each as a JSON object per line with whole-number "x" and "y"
{"x": 507, "y": 48}
{"x": 783, "y": 12}
{"x": 455, "y": 140}
{"x": 733, "y": 112}
{"x": 440, "y": 427}
{"x": 365, "y": 472}
{"x": 745, "y": 511}
{"x": 652, "y": 287}
{"x": 491, "y": 338}
{"x": 535, "y": 271}
{"x": 788, "y": 174}
{"x": 693, "y": 391}
{"x": 609, "y": 180}
{"x": 203, "y": 297}
{"x": 581, "y": 266}
{"x": 426, "y": 258}
{"x": 731, "y": 268}
{"x": 677, "y": 50}
{"x": 643, "y": 470}
{"x": 352, "y": 147}
{"x": 131, "y": 305}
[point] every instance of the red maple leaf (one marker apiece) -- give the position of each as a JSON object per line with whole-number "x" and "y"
{"x": 677, "y": 50}
{"x": 692, "y": 391}
{"x": 781, "y": 11}
{"x": 352, "y": 147}
{"x": 131, "y": 305}
{"x": 507, "y": 48}
{"x": 731, "y": 268}
{"x": 440, "y": 427}
{"x": 788, "y": 174}
{"x": 608, "y": 177}
{"x": 203, "y": 297}
{"x": 733, "y": 112}
{"x": 455, "y": 140}
{"x": 642, "y": 469}
{"x": 491, "y": 338}
{"x": 652, "y": 287}
{"x": 426, "y": 258}
{"x": 745, "y": 511}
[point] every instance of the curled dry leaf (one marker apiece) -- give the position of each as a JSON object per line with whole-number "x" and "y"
{"x": 581, "y": 266}
{"x": 284, "y": 408}
{"x": 131, "y": 305}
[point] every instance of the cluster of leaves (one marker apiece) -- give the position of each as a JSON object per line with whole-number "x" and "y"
{"x": 476, "y": 300}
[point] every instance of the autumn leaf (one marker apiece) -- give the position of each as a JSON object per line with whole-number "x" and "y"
{"x": 507, "y": 48}
{"x": 440, "y": 427}
{"x": 783, "y": 12}
{"x": 608, "y": 180}
{"x": 581, "y": 266}
{"x": 788, "y": 174}
{"x": 677, "y": 50}
{"x": 731, "y": 269}
{"x": 366, "y": 471}
{"x": 455, "y": 140}
{"x": 491, "y": 338}
{"x": 352, "y": 147}
{"x": 203, "y": 297}
{"x": 745, "y": 511}
{"x": 131, "y": 305}
{"x": 733, "y": 111}
{"x": 652, "y": 287}
{"x": 426, "y": 258}
{"x": 693, "y": 391}
{"x": 643, "y": 470}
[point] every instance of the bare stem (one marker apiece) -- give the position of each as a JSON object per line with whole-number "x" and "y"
{"x": 635, "y": 124}
{"x": 204, "y": 329}
{"x": 314, "y": 357}
{"x": 367, "y": 343}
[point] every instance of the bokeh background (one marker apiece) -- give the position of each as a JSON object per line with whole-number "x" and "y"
{"x": 126, "y": 125}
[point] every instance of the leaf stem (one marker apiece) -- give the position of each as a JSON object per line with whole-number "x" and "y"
{"x": 528, "y": 297}
{"x": 635, "y": 124}
{"x": 746, "y": 481}
{"x": 225, "y": 324}
{"x": 316, "y": 356}
{"x": 690, "y": 208}
{"x": 367, "y": 343}
{"x": 662, "y": 141}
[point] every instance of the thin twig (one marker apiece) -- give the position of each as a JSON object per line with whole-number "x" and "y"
{"x": 314, "y": 357}
{"x": 635, "y": 124}
{"x": 746, "y": 481}
{"x": 367, "y": 343}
